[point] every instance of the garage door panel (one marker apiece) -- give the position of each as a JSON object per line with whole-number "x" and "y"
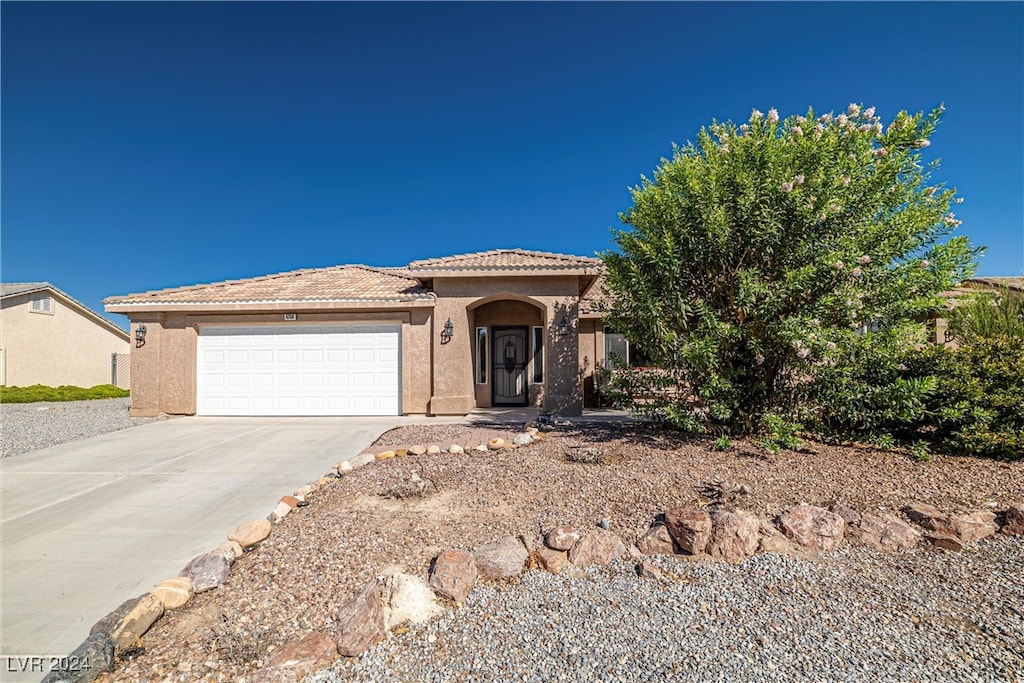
{"x": 322, "y": 370}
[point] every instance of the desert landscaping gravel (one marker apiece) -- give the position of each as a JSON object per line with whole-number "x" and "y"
{"x": 26, "y": 427}
{"x": 853, "y": 614}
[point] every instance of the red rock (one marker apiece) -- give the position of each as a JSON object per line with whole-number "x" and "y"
{"x": 885, "y": 532}
{"x": 944, "y": 541}
{"x": 290, "y": 501}
{"x": 1013, "y": 521}
{"x": 690, "y": 528}
{"x": 453, "y": 574}
{"x": 849, "y": 515}
{"x": 813, "y": 527}
{"x": 974, "y": 526}
{"x": 930, "y": 518}
{"x": 648, "y": 570}
{"x": 599, "y": 547}
{"x": 501, "y": 559}
{"x": 361, "y": 622}
{"x": 291, "y": 662}
{"x": 562, "y": 538}
{"x": 771, "y": 540}
{"x": 657, "y": 541}
{"x": 734, "y": 536}
{"x": 555, "y": 561}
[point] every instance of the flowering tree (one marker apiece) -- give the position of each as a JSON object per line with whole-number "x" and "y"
{"x": 765, "y": 252}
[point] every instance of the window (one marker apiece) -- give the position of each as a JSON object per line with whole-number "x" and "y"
{"x": 538, "y": 355}
{"x": 481, "y": 355}
{"x": 618, "y": 348}
{"x": 41, "y": 303}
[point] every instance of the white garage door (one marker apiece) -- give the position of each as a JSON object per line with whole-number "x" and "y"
{"x": 298, "y": 370}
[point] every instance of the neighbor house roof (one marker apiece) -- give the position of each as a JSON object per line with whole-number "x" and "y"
{"x": 10, "y": 289}
{"x": 1016, "y": 283}
{"x": 505, "y": 260}
{"x": 336, "y": 284}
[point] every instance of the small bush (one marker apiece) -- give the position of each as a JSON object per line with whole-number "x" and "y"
{"x": 38, "y": 392}
{"x": 978, "y": 408}
{"x": 987, "y": 315}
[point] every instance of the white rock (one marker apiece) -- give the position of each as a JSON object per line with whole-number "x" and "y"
{"x": 456, "y": 448}
{"x": 344, "y": 467}
{"x": 409, "y": 599}
{"x": 522, "y": 439}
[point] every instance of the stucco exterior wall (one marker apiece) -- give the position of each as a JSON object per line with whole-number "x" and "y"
{"x": 66, "y": 347}
{"x": 164, "y": 369}
{"x": 454, "y": 391}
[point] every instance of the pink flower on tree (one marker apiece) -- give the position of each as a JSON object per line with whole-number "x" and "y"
{"x": 864, "y": 260}
{"x": 838, "y": 265}
{"x": 831, "y": 346}
{"x": 869, "y": 112}
{"x": 925, "y": 263}
{"x": 756, "y": 115}
{"x": 881, "y": 152}
{"x": 799, "y": 179}
{"x": 857, "y": 272}
{"x": 798, "y": 131}
{"x": 845, "y": 181}
{"x": 853, "y": 109}
{"x": 773, "y": 115}
{"x": 787, "y": 187}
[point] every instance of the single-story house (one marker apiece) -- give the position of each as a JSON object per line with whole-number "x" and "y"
{"x": 47, "y": 337}
{"x": 440, "y": 336}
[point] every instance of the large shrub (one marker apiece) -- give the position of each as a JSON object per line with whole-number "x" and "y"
{"x": 767, "y": 256}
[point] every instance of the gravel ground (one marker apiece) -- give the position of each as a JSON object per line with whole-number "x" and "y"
{"x": 852, "y": 615}
{"x": 317, "y": 558}
{"x": 28, "y": 427}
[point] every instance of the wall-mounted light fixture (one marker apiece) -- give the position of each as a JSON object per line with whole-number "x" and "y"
{"x": 563, "y": 326}
{"x": 947, "y": 335}
{"x": 446, "y": 333}
{"x": 140, "y": 336}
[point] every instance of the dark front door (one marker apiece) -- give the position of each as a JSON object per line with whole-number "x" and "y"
{"x": 508, "y": 376}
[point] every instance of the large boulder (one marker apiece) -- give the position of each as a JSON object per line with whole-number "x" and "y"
{"x": 174, "y": 593}
{"x": 561, "y": 538}
{"x": 771, "y": 540}
{"x": 453, "y": 574}
{"x": 86, "y": 662}
{"x": 974, "y": 526}
{"x": 407, "y": 599}
{"x": 690, "y": 528}
{"x": 930, "y": 517}
{"x": 250, "y": 533}
{"x": 296, "y": 660}
{"x": 598, "y": 547}
{"x": 657, "y": 541}
{"x": 886, "y": 532}
{"x": 501, "y": 559}
{"x": 208, "y": 570}
{"x": 554, "y": 561}
{"x": 361, "y": 622}
{"x": 144, "y": 614}
{"x": 1013, "y": 521}
{"x": 813, "y": 527}
{"x": 734, "y": 536}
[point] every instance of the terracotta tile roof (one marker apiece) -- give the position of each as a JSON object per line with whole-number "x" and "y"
{"x": 338, "y": 283}
{"x": 506, "y": 259}
{"x": 595, "y": 299}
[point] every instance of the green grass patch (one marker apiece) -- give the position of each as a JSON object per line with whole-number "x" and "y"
{"x": 38, "y": 392}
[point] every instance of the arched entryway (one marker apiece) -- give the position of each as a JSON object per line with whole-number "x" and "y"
{"x": 509, "y": 345}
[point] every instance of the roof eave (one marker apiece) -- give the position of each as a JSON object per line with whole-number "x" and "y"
{"x": 504, "y": 271}
{"x": 261, "y": 306}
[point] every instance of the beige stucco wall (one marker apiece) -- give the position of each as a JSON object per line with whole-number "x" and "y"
{"x": 454, "y": 389}
{"x": 164, "y": 369}
{"x": 67, "y": 347}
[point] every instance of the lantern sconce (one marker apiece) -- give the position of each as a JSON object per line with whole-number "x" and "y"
{"x": 947, "y": 335}
{"x": 446, "y": 333}
{"x": 563, "y": 326}
{"x": 140, "y": 336}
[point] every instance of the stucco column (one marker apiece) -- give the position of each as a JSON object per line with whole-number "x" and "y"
{"x": 453, "y": 362}
{"x": 145, "y": 372}
{"x": 562, "y": 394}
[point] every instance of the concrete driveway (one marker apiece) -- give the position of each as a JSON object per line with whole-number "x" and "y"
{"x": 89, "y": 524}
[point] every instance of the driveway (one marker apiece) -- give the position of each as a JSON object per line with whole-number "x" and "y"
{"x": 89, "y": 524}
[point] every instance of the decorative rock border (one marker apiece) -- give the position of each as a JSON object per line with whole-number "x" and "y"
{"x": 393, "y": 598}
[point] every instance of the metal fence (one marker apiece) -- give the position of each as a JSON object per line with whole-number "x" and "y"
{"x": 121, "y": 370}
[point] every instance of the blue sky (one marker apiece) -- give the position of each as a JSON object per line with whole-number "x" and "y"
{"x": 148, "y": 145}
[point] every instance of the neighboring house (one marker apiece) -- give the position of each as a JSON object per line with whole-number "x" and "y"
{"x": 939, "y": 328}
{"x": 441, "y": 336}
{"x": 49, "y": 338}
